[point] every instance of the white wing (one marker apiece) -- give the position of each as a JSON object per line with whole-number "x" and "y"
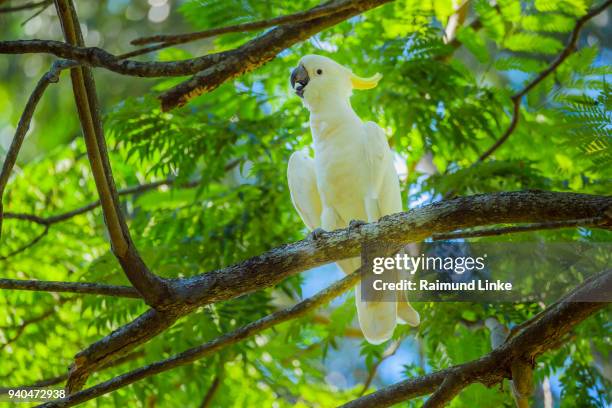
{"x": 378, "y": 157}
{"x": 303, "y": 188}
{"x": 386, "y": 199}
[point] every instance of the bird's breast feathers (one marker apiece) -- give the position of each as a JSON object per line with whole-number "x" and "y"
{"x": 340, "y": 164}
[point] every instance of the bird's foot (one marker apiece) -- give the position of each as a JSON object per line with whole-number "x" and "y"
{"x": 355, "y": 224}
{"x": 316, "y": 234}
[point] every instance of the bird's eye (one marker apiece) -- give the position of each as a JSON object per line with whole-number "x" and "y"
{"x": 319, "y": 71}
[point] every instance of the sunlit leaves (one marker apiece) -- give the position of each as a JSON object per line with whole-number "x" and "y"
{"x": 530, "y": 42}
{"x": 228, "y": 150}
{"x": 491, "y": 19}
{"x": 473, "y": 42}
{"x": 548, "y": 23}
{"x": 573, "y": 7}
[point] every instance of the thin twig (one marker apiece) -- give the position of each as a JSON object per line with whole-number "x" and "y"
{"x": 70, "y": 287}
{"x": 215, "y": 385}
{"x": 26, "y": 6}
{"x": 210, "y": 394}
{"x": 37, "y": 13}
{"x": 539, "y": 226}
{"x": 390, "y": 352}
{"x": 27, "y": 246}
{"x": 54, "y": 219}
{"x": 21, "y": 328}
{"x": 138, "y": 189}
{"x": 319, "y": 11}
{"x": 516, "y": 98}
{"x": 350, "y": 332}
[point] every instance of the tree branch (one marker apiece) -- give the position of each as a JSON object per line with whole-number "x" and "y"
{"x": 390, "y": 352}
{"x": 27, "y": 246}
{"x": 277, "y": 264}
{"x": 97, "y": 57}
{"x": 119, "y": 343}
{"x": 61, "y": 378}
{"x": 401, "y": 228}
{"x": 54, "y": 219}
{"x": 450, "y": 387}
{"x": 193, "y": 354}
{"x": 538, "y": 226}
{"x": 516, "y": 98}
{"x": 70, "y": 287}
{"x": 319, "y": 11}
{"x": 215, "y": 385}
{"x": 455, "y": 22}
{"x": 212, "y": 391}
{"x": 24, "y": 124}
{"x": 351, "y": 332}
{"x": 21, "y": 328}
{"x": 536, "y": 338}
{"x": 26, "y": 6}
{"x": 211, "y": 70}
{"x": 153, "y": 289}
{"x": 257, "y": 52}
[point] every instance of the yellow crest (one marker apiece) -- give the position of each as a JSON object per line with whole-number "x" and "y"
{"x": 365, "y": 83}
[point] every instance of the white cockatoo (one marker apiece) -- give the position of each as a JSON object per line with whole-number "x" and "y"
{"x": 352, "y": 176}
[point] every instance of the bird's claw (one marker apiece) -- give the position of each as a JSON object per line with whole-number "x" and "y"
{"x": 316, "y": 234}
{"x": 355, "y": 224}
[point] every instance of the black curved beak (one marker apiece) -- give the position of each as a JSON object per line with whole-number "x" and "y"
{"x": 300, "y": 77}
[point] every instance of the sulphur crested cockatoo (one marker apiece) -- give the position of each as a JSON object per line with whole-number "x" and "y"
{"x": 352, "y": 176}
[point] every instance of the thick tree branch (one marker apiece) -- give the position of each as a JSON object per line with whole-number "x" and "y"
{"x": 401, "y": 228}
{"x": 257, "y": 52}
{"x": 70, "y": 287}
{"x": 193, "y": 354}
{"x": 277, "y": 264}
{"x": 152, "y": 288}
{"x": 351, "y": 332}
{"x": 538, "y": 336}
{"x": 24, "y": 124}
{"x": 212, "y": 391}
{"x": 516, "y": 98}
